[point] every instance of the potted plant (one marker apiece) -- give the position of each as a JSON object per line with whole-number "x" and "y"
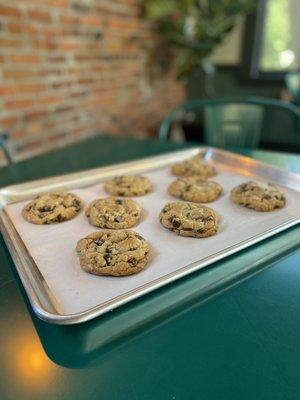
{"x": 193, "y": 28}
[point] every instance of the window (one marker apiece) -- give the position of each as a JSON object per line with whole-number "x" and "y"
{"x": 272, "y": 39}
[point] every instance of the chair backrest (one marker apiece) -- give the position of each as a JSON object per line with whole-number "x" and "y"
{"x": 292, "y": 80}
{"x": 233, "y": 122}
{"x": 233, "y": 125}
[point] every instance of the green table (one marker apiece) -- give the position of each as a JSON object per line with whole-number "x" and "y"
{"x": 230, "y": 331}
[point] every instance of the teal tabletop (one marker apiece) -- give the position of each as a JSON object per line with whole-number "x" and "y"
{"x": 230, "y": 331}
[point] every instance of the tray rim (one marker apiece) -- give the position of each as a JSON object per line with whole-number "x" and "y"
{"x": 24, "y": 264}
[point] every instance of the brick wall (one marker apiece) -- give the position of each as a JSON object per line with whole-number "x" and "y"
{"x": 75, "y": 68}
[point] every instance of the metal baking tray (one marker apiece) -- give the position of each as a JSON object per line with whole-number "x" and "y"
{"x": 40, "y": 294}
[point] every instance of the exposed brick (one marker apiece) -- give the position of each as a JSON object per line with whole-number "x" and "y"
{"x": 24, "y": 58}
{"x": 10, "y": 43}
{"x": 31, "y": 29}
{"x": 18, "y": 73}
{"x": 34, "y": 115}
{"x": 73, "y": 68}
{"x": 19, "y": 104}
{"x": 14, "y": 27}
{"x": 31, "y": 88}
{"x": 69, "y": 19}
{"x": 17, "y": 134}
{"x": 91, "y": 20}
{"x": 39, "y": 15}
{"x": 7, "y": 90}
{"x": 8, "y": 122}
{"x": 56, "y": 3}
{"x": 50, "y": 101}
{"x": 9, "y": 11}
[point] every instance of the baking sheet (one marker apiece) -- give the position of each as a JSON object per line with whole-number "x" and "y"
{"x": 53, "y": 246}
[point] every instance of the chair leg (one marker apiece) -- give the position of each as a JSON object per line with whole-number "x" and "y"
{"x": 6, "y": 150}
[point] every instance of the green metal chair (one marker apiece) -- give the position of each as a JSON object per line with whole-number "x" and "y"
{"x": 231, "y": 122}
{"x": 292, "y": 80}
{"x": 5, "y": 148}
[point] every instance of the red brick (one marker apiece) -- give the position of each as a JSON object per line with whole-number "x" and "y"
{"x": 31, "y": 88}
{"x": 24, "y": 58}
{"x": 6, "y": 90}
{"x": 18, "y": 133}
{"x": 56, "y": 3}
{"x": 14, "y": 27}
{"x": 39, "y": 15}
{"x": 69, "y": 45}
{"x": 91, "y": 20}
{"x": 50, "y": 101}
{"x": 18, "y": 73}
{"x": 8, "y": 122}
{"x": 69, "y": 19}
{"x": 31, "y": 29}
{"x": 9, "y": 11}
{"x": 32, "y": 145}
{"x": 35, "y": 115}
{"x": 19, "y": 104}
{"x": 56, "y": 138}
{"x": 10, "y": 42}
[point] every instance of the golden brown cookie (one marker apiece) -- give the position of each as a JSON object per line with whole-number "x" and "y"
{"x": 197, "y": 190}
{"x": 189, "y": 219}
{"x": 116, "y": 253}
{"x": 128, "y": 185}
{"x": 258, "y": 196}
{"x": 113, "y": 213}
{"x": 53, "y": 207}
{"x": 195, "y": 166}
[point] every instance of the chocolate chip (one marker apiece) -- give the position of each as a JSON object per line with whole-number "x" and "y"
{"x": 267, "y": 197}
{"x": 119, "y": 201}
{"x": 200, "y": 230}
{"x": 165, "y": 209}
{"x": 189, "y": 187}
{"x": 176, "y": 223}
{"x": 132, "y": 261}
{"x": 188, "y": 229}
{"x": 121, "y": 193}
{"x": 76, "y": 204}
{"x": 60, "y": 218}
{"x": 107, "y": 258}
{"x": 118, "y": 218}
{"x": 98, "y": 241}
{"x": 46, "y": 208}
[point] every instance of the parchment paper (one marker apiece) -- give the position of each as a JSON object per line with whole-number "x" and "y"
{"x": 53, "y": 246}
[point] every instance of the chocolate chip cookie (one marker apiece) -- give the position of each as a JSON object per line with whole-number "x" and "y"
{"x": 258, "y": 196}
{"x": 195, "y": 189}
{"x": 116, "y": 253}
{"x": 189, "y": 219}
{"x": 54, "y": 207}
{"x": 128, "y": 185}
{"x": 113, "y": 213}
{"x": 195, "y": 166}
